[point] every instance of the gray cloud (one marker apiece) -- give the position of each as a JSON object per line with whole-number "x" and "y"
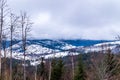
{"x": 68, "y": 19}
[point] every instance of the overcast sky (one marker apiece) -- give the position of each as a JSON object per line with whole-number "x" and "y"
{"x": 71, "y": 19}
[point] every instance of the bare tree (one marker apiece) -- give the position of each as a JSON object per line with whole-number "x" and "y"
{"x": 4, "y": 59}
{"x": 73, "y": 66}
{"x": 50, "y": 67}
{"x": 106, "y": 65}
{"x": 13, "y": 26}
{"x": 25, "y": 25}
{"x": 71, "y": 53}
{"x": 99, "y": 67}
{"x": 3, "y": 13}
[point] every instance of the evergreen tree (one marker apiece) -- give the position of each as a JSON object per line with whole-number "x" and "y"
{"x": 41, "y": 70}
{"x": 80, "y": 72}
{"x": 57, "y": 69}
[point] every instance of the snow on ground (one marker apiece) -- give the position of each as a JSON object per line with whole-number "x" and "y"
{"x": 108, "y": 43}
{"x": 67, "y": 46}
{"x": 35, "y": 51}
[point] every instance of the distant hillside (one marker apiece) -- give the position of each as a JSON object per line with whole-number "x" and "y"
{"x": 84, "y": 42}
{"x": 49, "y": 48}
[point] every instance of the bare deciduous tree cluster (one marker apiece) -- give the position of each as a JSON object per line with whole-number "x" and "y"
{"x": 9, "y": 24}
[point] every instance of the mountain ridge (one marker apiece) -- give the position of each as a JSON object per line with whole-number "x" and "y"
{"x": 49, "y": 48}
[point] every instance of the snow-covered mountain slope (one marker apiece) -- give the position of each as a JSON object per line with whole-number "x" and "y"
{"x": 56, "y": 48}
{"x": 113, "y": 46}
{"x": 38, "y": 48}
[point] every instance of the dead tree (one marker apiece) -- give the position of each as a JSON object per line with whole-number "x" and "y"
{"x": 25, "y": 25}
{"x": 4, "y": 43}
{"x": 71, "y": 53}
{"x": 3, "y": 13}
{"x": 13, "y": 26}
{"x": 49, "y": 70}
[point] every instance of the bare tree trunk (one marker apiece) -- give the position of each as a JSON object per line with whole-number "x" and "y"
{"x": 11, "y": 42}
{"x": 2, "y": 5}
{"x": 25, "y": 24}
{"x": 23, "y": 40}
{"x": 1, "y": 26}
{"x": 24, "y": 68}
{"x": 23, "y": 16}
{"x": 50, "y": 70}
{"x": 5, "y": 65}
{"x": 35, "y": 72}
{"x": 13, "y": 25}
{"x": 4, "y": 48}
{"x": 72, "y": 60}
{"x": 24, "y": 61}
{"x": 3, "y": 13}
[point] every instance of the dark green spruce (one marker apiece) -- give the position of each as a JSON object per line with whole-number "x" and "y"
{"x": 80, "y": 70}
{"x": 57, "y": 69}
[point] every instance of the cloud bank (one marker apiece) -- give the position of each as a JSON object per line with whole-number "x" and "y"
{"x": 71, "y": 19}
